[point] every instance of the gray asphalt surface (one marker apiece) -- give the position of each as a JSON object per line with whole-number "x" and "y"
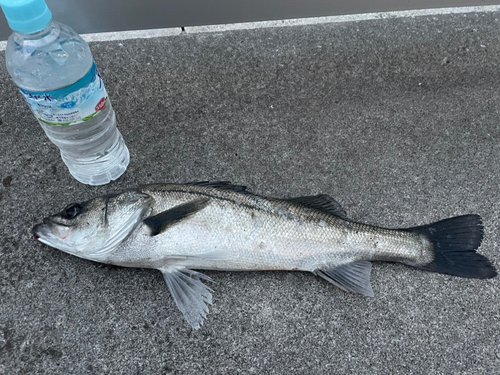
{"x": 398, "y": 119}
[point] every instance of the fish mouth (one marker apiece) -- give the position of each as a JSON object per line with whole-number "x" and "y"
{"x": 40, "y": 231}
{"x": 44, "y": 233}
{"x": 55, "y": 235}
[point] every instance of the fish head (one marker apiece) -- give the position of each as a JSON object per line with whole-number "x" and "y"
{"x": 93, "y": 228}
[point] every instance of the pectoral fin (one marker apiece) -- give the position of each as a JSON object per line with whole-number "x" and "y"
{"x": 158, "y": 223}
{"x": 190, "y": 295}
{"x": 353, "y": 277}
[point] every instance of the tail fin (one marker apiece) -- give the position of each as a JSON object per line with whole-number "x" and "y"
{"x": 455, "y": 241}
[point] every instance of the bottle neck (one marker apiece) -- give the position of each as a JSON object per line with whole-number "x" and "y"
{"x": 39, "y": 34}
{"x": 40, "y": 38}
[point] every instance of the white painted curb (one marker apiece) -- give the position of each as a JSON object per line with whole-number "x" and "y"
{"x": 143, "y": 34}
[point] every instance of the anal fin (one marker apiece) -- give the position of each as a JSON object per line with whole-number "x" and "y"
{"x": 352, "y": 277}
{"x": 190, "y": 295}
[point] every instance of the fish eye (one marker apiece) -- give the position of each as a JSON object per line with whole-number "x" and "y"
{"x": 72, "y": 210}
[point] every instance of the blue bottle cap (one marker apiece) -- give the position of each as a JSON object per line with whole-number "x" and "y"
{"x": 26, "y": 16}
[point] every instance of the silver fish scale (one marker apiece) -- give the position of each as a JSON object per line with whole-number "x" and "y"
{"x": 178, "y": 229}
{"x": 241, "y": 231}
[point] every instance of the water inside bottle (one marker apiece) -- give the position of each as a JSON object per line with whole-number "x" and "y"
{"x": 57, "y": 60}
{"x": 94, "y": 150}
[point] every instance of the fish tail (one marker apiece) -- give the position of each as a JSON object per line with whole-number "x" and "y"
{"x": 454, "y": 243}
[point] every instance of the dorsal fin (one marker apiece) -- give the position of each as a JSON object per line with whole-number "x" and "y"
{"x": 323, "y": 203}
{"x": 224, "y": 185}
{"x": 166, "y": 219}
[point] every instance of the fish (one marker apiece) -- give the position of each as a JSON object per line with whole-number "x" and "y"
{"x": 182, "y": 229}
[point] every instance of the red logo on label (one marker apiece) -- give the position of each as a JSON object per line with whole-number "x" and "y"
{"x": 100, "y": 106}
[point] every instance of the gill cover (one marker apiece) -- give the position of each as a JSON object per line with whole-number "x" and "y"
{"x": 92, "y": 229}
{"x": 123, "y": 213}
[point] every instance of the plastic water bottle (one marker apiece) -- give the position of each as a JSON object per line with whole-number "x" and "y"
{"x": 55, "y": 72}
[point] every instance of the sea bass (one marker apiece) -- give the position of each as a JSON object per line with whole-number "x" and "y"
{"x": 180, "y": 228}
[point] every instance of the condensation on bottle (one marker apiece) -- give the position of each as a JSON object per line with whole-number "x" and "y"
{"x": 54, "y": 70}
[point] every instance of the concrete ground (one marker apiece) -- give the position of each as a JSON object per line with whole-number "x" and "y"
{"x": 398, "y": 119}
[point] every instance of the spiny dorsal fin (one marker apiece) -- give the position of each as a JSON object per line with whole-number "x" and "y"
{"x": 224, "y": 185}
{"x": 166, "y": 219}
{"x": 353, "y": 277}
{"x": 323, "y": 203}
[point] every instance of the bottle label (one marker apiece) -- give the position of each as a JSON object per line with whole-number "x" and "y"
{"x": 72, "y": 104}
